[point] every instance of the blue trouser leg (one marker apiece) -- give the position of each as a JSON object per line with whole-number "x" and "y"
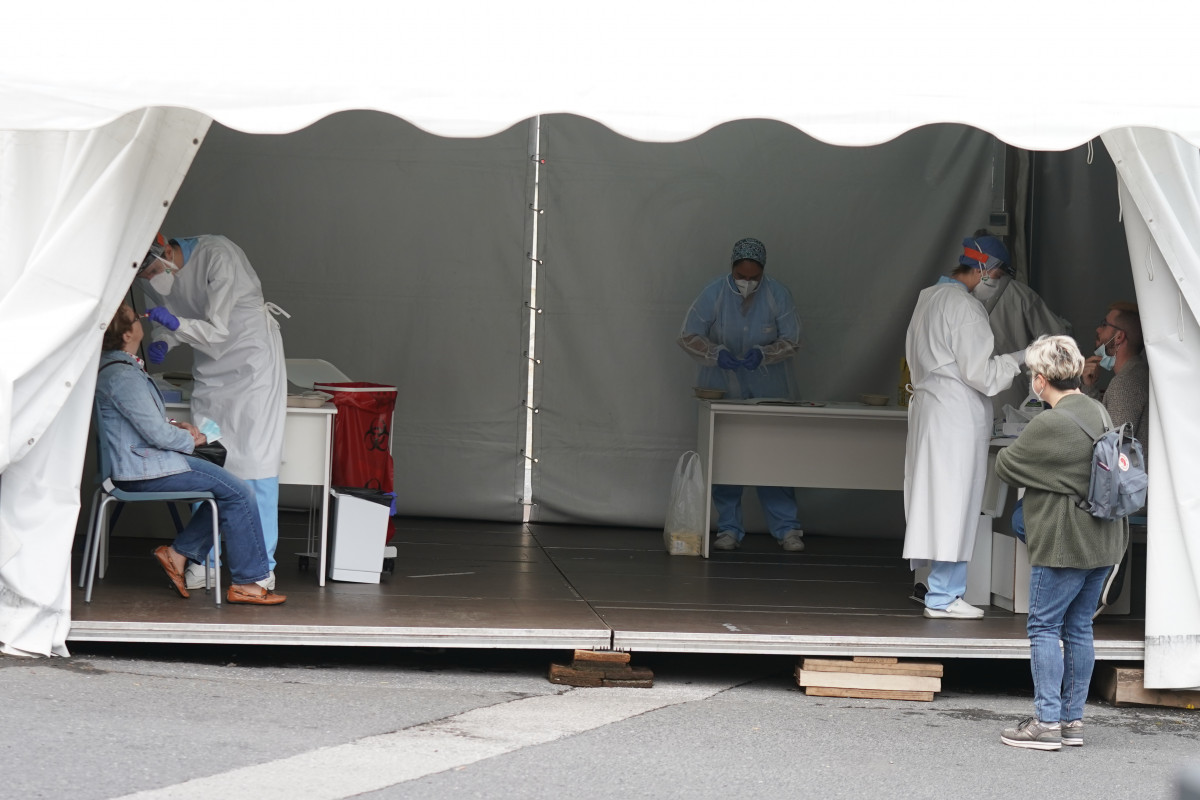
{"x": 266, "y": 494}
{"x": 779, "y": 506}
{"x": 728, "y": 500}
{"x": 1061, "y": 603}
{"x": 237, "y": 517}
{"x": 947, "y": 582}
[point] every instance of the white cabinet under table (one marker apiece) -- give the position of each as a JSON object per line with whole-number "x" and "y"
{"x": 307, "y": 456}
{"x": 833, "y": 446}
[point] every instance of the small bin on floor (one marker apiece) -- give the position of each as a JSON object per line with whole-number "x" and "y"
{"x": 358, "y": 530}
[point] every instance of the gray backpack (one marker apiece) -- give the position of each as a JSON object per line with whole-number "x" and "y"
{"x": 1118, "y": 485}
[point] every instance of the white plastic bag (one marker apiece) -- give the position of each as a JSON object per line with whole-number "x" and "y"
{"x": 683, "y": 534}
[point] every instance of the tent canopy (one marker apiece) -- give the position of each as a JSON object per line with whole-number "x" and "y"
{"x": 1041, "y": 76}
{"x": 102, "y": 110}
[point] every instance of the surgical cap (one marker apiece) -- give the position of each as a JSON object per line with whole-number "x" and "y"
{"x": 985, "y": 252}
{"x": 157, "y": 248}
{"x": 751, "y": 249}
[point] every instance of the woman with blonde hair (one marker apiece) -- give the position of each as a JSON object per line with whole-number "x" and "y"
{"x": 1070, "y": 551}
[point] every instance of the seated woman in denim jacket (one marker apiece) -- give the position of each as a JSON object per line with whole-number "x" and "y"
{"x": 150, "y": 454}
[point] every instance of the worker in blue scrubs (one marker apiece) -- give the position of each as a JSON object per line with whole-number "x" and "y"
{"x": 743, "y": 330}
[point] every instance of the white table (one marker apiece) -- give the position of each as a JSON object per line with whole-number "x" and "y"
{"x": 307, "y": 457}
{"x": 831, "y": 446}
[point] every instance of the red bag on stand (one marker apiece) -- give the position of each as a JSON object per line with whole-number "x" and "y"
{"x": 362, "y": 434}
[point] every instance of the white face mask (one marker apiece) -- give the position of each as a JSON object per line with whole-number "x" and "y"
{"x": 162, "y": 283}
{"x": 746, "y": 288}
{"x": 986, "y": 288}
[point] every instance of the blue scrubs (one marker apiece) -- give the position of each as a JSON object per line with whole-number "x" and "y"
{"x": 768, "y": 320}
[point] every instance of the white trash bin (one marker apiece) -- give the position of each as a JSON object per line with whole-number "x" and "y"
{"x": 358, "y": 533}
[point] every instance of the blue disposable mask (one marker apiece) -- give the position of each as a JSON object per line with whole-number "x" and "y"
{"x": 1106, "y": 361}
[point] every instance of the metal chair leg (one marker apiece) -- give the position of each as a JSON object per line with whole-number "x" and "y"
{"x": 216, "y": 555}
{"x": 88, "y": 540}
{"x": 101, "y": 534}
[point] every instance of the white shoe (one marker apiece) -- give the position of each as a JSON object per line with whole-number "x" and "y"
{"x": 726, "y": 541}
{"x": 193, "y": 576}
{"x": 268, "y": 583}
{"x": 793, "y": 542}
{"x": 959, "y": 609}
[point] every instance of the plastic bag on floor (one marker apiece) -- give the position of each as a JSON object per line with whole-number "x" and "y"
{"x": 683, "y": 534}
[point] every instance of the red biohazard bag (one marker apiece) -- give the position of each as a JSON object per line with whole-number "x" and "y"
{"x": 362, "y": 434}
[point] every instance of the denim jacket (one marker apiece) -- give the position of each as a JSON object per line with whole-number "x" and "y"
{"x": 141, "y": 442}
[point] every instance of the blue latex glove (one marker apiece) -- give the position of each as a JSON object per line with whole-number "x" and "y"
{"x": 156, "y": 352}
{"x": 753, "y": 359}
{"x": 726, "y": 360}
{"x": 163, "y": 317}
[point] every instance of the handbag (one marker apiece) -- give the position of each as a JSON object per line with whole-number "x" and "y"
{"x": 213, "y": 451}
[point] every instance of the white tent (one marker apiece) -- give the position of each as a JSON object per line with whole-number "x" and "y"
{"x": 104, "y": 112}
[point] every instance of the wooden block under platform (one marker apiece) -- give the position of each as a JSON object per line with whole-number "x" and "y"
{"x": 870, "y": 677}
{"x": 869, "y": 694}
{"x": 611, "y": 670}
{"x": 1123, "y": 685}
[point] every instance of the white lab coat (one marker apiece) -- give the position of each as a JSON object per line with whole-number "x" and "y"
{"x": 949, "y": 352}
{"x": 1018, "y": 316}
{"x": 239, "y": 369}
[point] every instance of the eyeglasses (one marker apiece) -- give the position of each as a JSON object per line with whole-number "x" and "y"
{"x": 1104, "y": 323}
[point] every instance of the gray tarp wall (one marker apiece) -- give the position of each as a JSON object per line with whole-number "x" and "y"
{"x": 402, "y": 257}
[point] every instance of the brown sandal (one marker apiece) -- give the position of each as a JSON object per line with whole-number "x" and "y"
{"x": 176, "y": 578}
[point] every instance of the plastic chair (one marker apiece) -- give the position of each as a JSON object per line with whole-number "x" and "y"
{"x": 107, "y": 494}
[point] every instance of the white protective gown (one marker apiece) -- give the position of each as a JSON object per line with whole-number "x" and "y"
{"x": 949, "y": 351}
{"x": 239, "y": 369}
{"x": 1018, "y": 315}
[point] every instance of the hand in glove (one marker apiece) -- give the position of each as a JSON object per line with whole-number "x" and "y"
{"x": 156, "y": 352}
{"x": 163, "y": 317}
{"x": 1020, "y": 357}
{"x": 753, "y": 359}
{"x": 726, "y": 360}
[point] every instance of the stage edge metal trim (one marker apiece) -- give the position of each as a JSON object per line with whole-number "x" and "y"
{"x": 342, "y": 636}
{"x": 1107, "y": 650}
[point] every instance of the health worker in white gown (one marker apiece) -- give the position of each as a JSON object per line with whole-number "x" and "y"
{"x": 208, "y": 296}
{"x": 949, "y": 351}
{"x": 1018, "y": 316}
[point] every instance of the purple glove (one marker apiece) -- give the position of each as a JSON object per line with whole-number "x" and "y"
{"x": 156, "y": 352}
{"x": 725, "y": 360}
{"x": 163, "y": 317}
{"x": 753, "y": 359}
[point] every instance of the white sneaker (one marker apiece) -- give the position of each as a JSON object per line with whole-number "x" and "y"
{"x": 793, "y": 542}
{"x": 193, "y": 576}
{"x": 268, "y": 583}
{"x": 726, "y": 541}
{"x": 959, "y": 609}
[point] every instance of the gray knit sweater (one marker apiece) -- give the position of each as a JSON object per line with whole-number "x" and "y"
{"x": 1052, "y": 459}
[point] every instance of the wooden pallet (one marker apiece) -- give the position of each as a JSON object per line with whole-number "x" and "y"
{"x": 1122, "y": 685}
{"x": 593, "y": 668}
{"x": 870, "y": 677}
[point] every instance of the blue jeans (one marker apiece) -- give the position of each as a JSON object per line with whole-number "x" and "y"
{"x": 237, "y": 518}
{"x": 266, "y": 495}
{"x": 1061, "y": 603}
{"x": 778, "y": 503}
{"x": 947, "y": 583}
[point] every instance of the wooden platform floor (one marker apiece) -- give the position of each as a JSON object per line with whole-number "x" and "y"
{"x": 476, "y": 584}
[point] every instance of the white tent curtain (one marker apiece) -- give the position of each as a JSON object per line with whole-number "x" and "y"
{"x": 1160, "y": 196}
{"x": 76, "y": 213}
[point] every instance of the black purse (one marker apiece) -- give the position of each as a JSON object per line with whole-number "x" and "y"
{"x": 213, "y": 451}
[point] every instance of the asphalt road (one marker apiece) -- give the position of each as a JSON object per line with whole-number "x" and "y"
{"x": 300, "y": 723}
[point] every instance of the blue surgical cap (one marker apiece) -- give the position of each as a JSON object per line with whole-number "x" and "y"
{"x": 751, "y": 249}
{"x": 985, "y": 252}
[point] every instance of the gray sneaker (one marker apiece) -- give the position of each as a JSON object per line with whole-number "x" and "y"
{"x": 793, "y": 542}
{"x": 726, "y": 541}
{"x": 1033, "y": 735}
{"x": 1072, "y": 733}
